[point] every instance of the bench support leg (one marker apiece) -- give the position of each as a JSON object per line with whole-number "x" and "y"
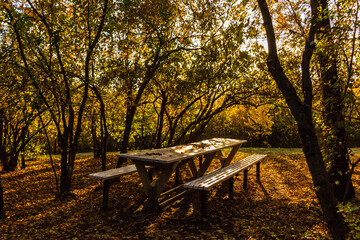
{"x": 258, "y": 171}
{"x": 231, "y": 188}
{"x": 245, "y": 179}
{"x": 203, "y": 202}
{"x": 106, "y": 194}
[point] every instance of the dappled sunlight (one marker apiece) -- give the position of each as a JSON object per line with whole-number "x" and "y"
{"x": 173, "y": 154}
{"x": 283, "y": 205}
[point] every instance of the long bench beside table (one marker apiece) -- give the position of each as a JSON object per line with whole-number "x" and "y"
{"x": 168, "y": 160}
{"x": 206, "y": 182}
{"x": 108, "y": 175}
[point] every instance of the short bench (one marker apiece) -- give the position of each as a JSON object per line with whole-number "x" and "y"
{"x": 210, "y": 180}
{"x": 108, "y": 175}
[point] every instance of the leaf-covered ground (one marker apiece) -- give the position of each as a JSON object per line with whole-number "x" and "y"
{"x": 282, "y": 206}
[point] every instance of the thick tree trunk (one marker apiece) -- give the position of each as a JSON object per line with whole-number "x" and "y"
{"x": 67, "y": 163}
{"x": 2, "y": 208}
{"x": 9, "y": 162}
{"x": 13, "y": 161}
{"x": 320, "y": 177}
{"x": 314, "y": 159}
{"x": 2, "y": 139}
{"x": 65, "y": 184}
{"x": 67, "y": 168}
{"x": 303, "y": 116}
{"x": 336, "y": 151}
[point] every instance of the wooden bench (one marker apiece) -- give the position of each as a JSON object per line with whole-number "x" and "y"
{"x": 210, "y": 180}
{"x": 111, "y": 174}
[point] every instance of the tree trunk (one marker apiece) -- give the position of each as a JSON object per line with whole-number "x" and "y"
{"x": 197, "y": 132}
{"x": 65, "y": 184}
{"x": 161, "y": 119}
{"x": 130, "y": 114}
{"x": 2, "y": 139}
{"x": 67, "y": 168}
{"x": 9, "y": 157}
{"x": 96, "y": 145}
{"x": 9, "y": 161}
{"x": 321, "y": 181}
{"x": 23, "y": 164}
{"x": 303, "y": 116}
{"x": 2, "y": 208}
{"x": 64, "y": 114}
{"x": 132, "y": 105}
{"x": 104, "y": 134}
{"x": 336, "y": 151}
{"x": 13, "y": 161}
{"x": 67, "y": 163}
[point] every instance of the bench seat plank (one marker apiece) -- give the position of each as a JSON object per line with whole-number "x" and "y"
{"x": 213, "y": 178}
{"x": 113, "y": 173}
{"x": 110, "y": 174}
{"x": 204, "y": 183}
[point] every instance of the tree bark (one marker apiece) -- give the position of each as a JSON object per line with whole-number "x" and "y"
{"x": 2, "y": 208}
{"x": 303, "y": 116}
{"x": 65, "y": 118}
{"x": 104, "y": 136}
{"x": 96, "y": 145}
{"x": 336, "y": 151}
{"x": 161, "y": 119}
{"x": 65, "y": 185}
{"x": 132, "y": 105}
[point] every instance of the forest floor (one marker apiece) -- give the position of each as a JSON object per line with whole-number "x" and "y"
{"x": 282, "y": 206}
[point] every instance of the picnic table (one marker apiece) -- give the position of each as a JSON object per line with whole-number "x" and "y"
{"x": 168, "y": 159}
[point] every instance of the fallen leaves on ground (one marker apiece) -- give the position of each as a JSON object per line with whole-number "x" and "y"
{"x": 282, "y": 206}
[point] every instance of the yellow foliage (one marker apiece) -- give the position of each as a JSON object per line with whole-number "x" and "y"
{"x": 255, "y": 120}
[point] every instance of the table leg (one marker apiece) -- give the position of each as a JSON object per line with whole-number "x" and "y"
{"x": 192, "y": 167}
{"x": 200, "y": 160}
{"x": 230, "y": 157}
{"x": 258, "y": 171}
{"x": 205, "y": 165}
{"x": 177, "y": 176}
{"x": 154, "y": 188}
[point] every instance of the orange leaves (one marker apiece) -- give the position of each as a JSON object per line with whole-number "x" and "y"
{"x": 5, "y": 4}
{"x": 30, "y": 13}
{"x": 283, "y": 206}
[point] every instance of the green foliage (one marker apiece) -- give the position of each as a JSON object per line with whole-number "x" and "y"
{"x": 351, "y": 218}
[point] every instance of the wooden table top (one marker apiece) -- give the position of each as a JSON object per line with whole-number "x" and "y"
{"x": 181, "y": 152}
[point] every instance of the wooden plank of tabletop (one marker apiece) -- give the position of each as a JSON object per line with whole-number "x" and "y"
{"x": 181, "y": 152}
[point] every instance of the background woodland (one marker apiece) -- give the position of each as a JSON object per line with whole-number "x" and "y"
{"x": 114, "y": 76}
